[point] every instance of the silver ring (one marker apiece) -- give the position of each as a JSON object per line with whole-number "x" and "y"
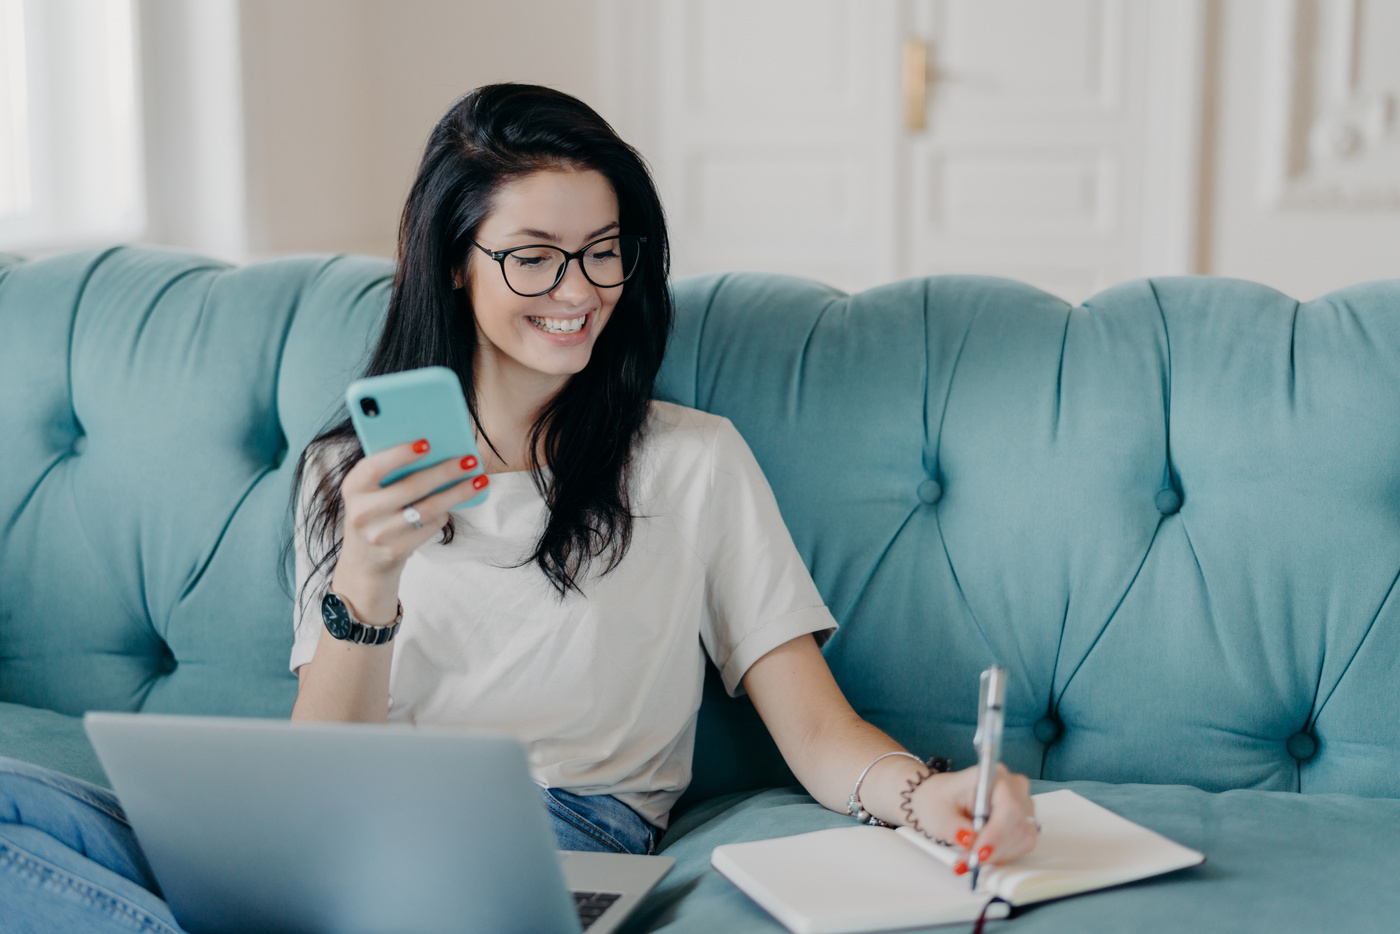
{"x": 1035, "y": 822}
{"x": 413, "y": 517}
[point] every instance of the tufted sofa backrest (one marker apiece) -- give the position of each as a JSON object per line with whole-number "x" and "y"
{"x": 154, "y": 404}
{"x": 1173, "y": 513}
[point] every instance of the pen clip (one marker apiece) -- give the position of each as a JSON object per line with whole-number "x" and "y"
{"x": 991, "y": 700}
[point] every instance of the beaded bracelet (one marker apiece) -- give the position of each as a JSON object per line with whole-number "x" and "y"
{"x": 858, "y": 811}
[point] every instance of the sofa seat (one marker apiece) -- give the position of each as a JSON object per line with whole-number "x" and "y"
{"x": 1276, "y": 861}
{"x": 51, "y": 739}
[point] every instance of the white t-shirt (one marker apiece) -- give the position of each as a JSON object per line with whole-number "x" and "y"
{"x": 604, "y": 687}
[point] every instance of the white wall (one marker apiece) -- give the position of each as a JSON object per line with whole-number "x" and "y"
{"x": 339, "y": 95}
{"x": 1303, "y": 249}
{"x": 193, "y": 126}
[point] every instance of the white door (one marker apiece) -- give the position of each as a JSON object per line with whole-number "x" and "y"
{"x": 1058, "y": 143}
{"x": 777, "y": 137}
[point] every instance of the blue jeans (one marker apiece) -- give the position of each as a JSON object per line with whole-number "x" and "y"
{"x": 70, "y": 864}
{"x": 598, "y": 823}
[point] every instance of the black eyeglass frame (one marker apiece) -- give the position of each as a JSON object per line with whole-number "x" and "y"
{"x": 500, "y": 257}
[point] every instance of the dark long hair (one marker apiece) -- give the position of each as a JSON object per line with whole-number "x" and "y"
{"x": 588, "y": 431}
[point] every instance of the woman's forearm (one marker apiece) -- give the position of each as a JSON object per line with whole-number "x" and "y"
{"x": 884, "y": 784}
{"x": 856, "y": 745}
{"x": 828, "y": 746}
{"x": 346, "y": 681}
{"x": 830, "y": 760}
{"x": 823, "y": 740}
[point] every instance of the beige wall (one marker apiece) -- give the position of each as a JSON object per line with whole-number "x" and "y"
{"x": 341, "y": 95}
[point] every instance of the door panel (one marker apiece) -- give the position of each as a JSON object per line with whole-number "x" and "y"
{"x": 1013, "y": 56}
{"x": 782, "y": 146}
{"x": 1033, "y": 146}
{"x": 777, "y": 132}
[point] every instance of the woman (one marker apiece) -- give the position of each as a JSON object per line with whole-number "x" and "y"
{"x": 620, "y": 534}
{"x": 571, "y": 606}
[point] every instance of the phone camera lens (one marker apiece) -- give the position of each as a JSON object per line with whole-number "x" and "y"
{"x": 369, "y": 406}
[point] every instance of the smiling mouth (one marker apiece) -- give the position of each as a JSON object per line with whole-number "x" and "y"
{"x": 558, "y": 325}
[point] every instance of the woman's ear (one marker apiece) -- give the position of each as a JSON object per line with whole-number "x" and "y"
{"x": 461, "y": 274}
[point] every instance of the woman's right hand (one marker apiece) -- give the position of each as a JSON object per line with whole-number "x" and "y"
{"x": 377, "y": 538}
{"x": 345, "y": 681}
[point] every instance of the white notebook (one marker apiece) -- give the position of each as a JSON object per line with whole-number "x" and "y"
{"x": 873, "y": 879}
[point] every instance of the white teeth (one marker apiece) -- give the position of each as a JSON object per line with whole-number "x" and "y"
{"x": 559, "y": 325}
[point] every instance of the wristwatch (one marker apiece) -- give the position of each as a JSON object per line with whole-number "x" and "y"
{"x": 342, "y": 624}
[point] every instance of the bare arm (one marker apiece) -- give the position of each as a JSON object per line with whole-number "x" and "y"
{"x": 827, "y": 745}
{"x": 344, "y": 680}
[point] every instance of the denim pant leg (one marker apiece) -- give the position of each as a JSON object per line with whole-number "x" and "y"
{"x": 597, "y": 823}
{"x": 69, "y": 862}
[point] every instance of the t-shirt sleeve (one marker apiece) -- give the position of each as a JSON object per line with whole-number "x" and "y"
{"x": 758, "y": 593}
{"x": 311, "y": 583}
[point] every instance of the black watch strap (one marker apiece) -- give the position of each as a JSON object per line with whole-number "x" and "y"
{"x": 343, "y": 625}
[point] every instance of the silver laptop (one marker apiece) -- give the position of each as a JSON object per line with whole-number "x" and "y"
{"x": 265, "y": 825}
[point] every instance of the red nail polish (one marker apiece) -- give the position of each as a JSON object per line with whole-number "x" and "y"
{"x": 480, "y": 482}
{"x": 420, "y": 446}
{"x": 960, "y": 868}
{"x": 984, "y": 854}
{"x": 468, "y": 462}
{"x": 965, "y": 837}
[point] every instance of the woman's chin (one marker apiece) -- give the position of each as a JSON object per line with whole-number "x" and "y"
{"x": 557, "y": 360}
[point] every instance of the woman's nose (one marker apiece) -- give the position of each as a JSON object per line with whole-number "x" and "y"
{"x": 574, "y": 288}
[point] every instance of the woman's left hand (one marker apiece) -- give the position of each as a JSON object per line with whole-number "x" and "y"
{"x": 942, "y": 806}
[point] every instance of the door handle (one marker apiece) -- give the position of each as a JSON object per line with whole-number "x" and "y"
{"x": 916, "y": 81}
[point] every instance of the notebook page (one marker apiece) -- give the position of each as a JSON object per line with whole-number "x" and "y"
{"x": 849, "y": 879}
{"x": 1090, "y": 848}
{"x": 1082, "y": 847}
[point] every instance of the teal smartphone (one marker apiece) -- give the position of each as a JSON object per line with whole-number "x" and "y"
{"x": 401, "y": 407}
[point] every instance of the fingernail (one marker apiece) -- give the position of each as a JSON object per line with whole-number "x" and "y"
{"x": 480, "y": 482}
{"x": 965, "y": 837}
{"x": 960, "y": 867}
{"x": 984, "y": 854}
{"x": 420, "y": 446}
{"x": 468, "y": 462}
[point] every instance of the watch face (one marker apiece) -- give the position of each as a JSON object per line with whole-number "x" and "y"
{"x": 337, "y": 617}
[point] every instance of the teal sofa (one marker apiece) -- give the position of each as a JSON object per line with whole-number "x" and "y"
{"x": 1173, "y": 513}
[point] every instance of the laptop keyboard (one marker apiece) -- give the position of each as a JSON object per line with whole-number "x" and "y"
{"x": 591, "y": 905}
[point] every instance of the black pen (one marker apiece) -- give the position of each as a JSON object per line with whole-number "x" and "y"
{"x": 991, "y": 697}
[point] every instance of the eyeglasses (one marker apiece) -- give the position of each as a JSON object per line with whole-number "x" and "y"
{"x": 537, "y": 269}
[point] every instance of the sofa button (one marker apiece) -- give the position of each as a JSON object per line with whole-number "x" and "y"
{"x": 1302, "y": 746}
{"x": 1048, "y": 729}
{"x": 79, "y": 445}
{"x": 930, "y": 491}
{"x": 1168, "y": 501}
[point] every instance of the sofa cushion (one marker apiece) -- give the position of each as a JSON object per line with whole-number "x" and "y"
{"x": 1275, "y": 861}
{"x": 50, "y": 739}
